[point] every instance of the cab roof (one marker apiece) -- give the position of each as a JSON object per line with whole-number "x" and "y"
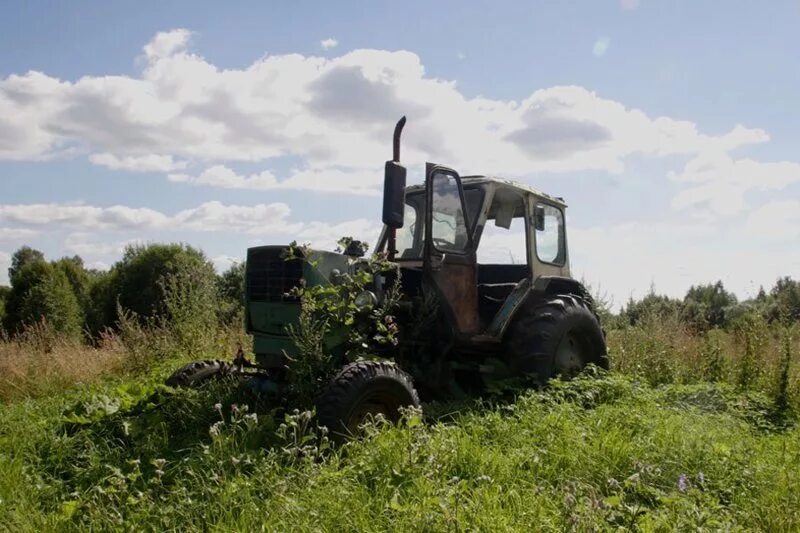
{"x": 500, "y": 182}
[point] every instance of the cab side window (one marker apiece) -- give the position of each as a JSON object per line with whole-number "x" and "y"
{"x": 550, "y": 234}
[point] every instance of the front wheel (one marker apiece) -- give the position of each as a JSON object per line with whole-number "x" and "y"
{"x": 361, "y": 390}
{"x": 198, "y": 372}
{"x": 555, "y": 336}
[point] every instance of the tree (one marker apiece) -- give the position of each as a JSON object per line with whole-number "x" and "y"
{"x": 22, "y": 257}
{"x": 79, "y": 280}
{"x": 3, "y": 296}
{"x": 40, "y": 291}
{"x": 714, "y": 301}
{"x": 143, "y": 280}
{"x": 230, "y": 292}
{"x": 785, "y": 297}
{"x": 652, "y": 306}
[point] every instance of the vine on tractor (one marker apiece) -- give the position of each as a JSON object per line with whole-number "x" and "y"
{"x": 335, "y": 328}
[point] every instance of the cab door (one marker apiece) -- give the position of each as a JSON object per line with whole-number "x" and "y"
{"x": 450, "y": 259}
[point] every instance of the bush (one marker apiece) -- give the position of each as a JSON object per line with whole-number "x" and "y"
{"x": 141, "y": 281}
{"x": 42, "y": 292}
{"x": 230, "y": 295}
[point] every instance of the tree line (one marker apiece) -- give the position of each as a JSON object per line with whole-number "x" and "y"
{"x": 151, "y": 283}
{"x": 158, "y": 282}
{"x": 709, "y": 306}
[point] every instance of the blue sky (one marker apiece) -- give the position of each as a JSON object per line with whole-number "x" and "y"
{"x": 670, "y": 127}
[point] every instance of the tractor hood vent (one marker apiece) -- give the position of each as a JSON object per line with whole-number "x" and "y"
{"x": 270, "y": 277}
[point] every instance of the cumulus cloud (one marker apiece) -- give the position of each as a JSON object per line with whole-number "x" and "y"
{"x": 208, "y": 216}
{"x": 329, "y": 113}
{"x": 328, "y": 43}
{"x": 720, "y": 183}
{"x": 87, "y": 244}
{"x": 16, "y": 234}
{"x": 320, "y": 179}
{"x": 144, "y": 163}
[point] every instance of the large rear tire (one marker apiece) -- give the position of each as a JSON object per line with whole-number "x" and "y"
{"x": 198, "y": 372}
{"x": 361, "y": 390}
{"x": 555, "y": 336}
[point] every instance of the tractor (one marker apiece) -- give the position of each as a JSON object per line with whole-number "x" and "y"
{"x": 524, "y": 321}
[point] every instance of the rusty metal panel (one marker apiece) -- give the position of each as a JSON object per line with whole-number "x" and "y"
{"x": 459, "y": 286}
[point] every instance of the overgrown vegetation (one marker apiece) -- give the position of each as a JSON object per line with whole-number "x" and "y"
{"x": 694, "y": 427}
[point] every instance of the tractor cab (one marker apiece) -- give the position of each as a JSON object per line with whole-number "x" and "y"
{"x": 482, "y": 241}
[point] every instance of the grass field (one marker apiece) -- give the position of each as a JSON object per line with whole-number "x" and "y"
{"x": 686, "y": 432}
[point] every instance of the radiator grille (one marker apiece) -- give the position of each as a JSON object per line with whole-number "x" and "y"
{"x": 270, "y": 277}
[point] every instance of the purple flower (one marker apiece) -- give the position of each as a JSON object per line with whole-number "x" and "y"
{"x": 682, "y": 483}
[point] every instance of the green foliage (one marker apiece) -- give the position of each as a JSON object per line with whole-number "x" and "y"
{"x": 713, "y": 302}
{"x": 329, "y": 315}
{"x": 139, "y": 280}
{"x": 651, "y": 307}
{"x": 602, "y": 452}
{"x": 4, "y": 292}
{"x": 784, "y": 301}
{"x": 230, "y": 295}
{"x": 22, "y": 257}
{"x": 42, "y": 292}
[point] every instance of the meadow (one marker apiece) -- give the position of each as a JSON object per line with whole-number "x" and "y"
{"x": 689, "y": 430}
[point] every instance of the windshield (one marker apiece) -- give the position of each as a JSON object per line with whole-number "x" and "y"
{"x": 411, "y": 236}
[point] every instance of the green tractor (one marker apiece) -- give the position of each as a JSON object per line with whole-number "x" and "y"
{"x": 525, "y": 321}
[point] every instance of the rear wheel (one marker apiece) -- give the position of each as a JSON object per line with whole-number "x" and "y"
{"x": 199, "y": 372}
{"x": 555, "y": 336}
{"x": 362, "y": 390}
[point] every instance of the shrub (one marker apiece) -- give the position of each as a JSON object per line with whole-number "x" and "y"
{"x": 230, "y": 295}
{"x": 139, "y": 282}
{"x": 40, "y": 292}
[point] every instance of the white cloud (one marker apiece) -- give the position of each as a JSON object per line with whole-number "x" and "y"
{"x": 5, "y": 262}
{"x": 98, "y": 265}
{"x": 328, "y": 113}
{"x": 87, "y": 244}
{"x": 720, "y": 183}
{"x": 329, "y": 43}
{"x": 600, "y": 46}
{"x": 209, "y": 216}
{"x": 776, "y": 221}
{"x": 318, "y": 179}
{"x": 167, "y": 43}
{"x": 624, "y": 259}
{"x": 16, "y": 234}
{"x": 629, "y": 4}
{"x": 144, "y": 163}
{"x": 224, "y": 262}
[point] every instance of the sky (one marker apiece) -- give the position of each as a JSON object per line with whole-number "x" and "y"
{"x": 670, "y": 128}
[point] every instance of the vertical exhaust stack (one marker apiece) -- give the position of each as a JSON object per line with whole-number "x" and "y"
{"x": 394, "y": 192}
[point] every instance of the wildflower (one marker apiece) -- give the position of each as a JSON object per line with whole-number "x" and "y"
{"x": 215, "y": 429}
{"x": 701, "y": 478}
{"x": 218, "y": 408}
{"x": 683, "y": 484}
